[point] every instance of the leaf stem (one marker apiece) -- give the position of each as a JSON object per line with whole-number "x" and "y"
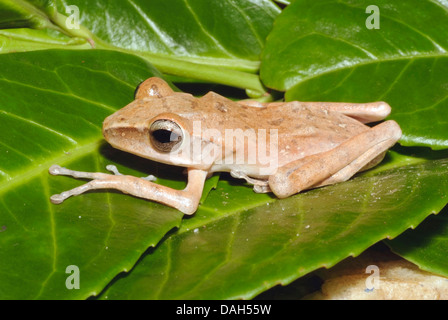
{"x": 182, "y": 68}
{"x": 174, "y": 66}
{"x": 80, "y": 32}
{"x": 240, "y": 79}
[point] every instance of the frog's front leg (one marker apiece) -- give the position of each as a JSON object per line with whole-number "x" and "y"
{"x": 335, "y": 165}
{"x": 186, "y": 200}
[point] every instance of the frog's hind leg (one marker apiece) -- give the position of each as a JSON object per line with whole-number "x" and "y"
{"x": 338, "y": 164}
{"x": 363, "y": 112}
{"x": 369, "y": 159}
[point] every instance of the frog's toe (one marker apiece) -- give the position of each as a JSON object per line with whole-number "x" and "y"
{"x": 150, "y": 178}
{"x": 262, "y": 188}
{"x": 55, "y": 170}
{"x": 57, "y": 199}
{"x": 113, "y": 169}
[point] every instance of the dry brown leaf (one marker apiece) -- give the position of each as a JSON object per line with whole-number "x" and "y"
{"x": 393, "y": 278}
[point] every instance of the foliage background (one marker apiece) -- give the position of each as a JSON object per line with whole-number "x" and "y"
{"x": 56, "y": 89}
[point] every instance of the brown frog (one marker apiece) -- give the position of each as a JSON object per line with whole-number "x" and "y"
{"x": 280, "y": 147}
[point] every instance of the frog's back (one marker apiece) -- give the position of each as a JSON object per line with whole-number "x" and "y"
{"x": 303, "y": 130}
{"x": 295, "y": 129}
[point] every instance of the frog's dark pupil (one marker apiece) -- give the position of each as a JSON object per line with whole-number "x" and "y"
{"x": 165, "y": 140}
{"x": 165, "y": 136}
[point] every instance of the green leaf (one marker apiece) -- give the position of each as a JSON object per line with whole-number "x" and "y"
{"x": 217, "y": 41}
{"x": 239, "y": 243}
{"x": 21, "y": 14}
{"x": 258, "y": 242}
{"x": 30, "y": 39}
{"x": 324, "y": 51}
{"x": 427, "y": 245}
{"x": 224, "y": 33}
{"x": 52, "y": 104}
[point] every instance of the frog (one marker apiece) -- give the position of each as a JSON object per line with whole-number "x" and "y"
{"x": 314, "y": 144}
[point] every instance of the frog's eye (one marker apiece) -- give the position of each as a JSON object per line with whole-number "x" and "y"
{"x": 165, "y": 135}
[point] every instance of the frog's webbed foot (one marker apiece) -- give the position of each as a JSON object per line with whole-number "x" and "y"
{"x": 96, "y": 176}
{"x": 185, "y": 200}
{"x": 260, "y": 186}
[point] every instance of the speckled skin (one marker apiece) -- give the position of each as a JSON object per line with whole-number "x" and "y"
{"x": 315, "y": 143}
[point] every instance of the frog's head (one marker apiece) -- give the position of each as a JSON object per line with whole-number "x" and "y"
{"x": 159, "y": 125}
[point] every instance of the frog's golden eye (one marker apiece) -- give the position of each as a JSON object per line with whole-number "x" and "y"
{"x": 165, "y": 135}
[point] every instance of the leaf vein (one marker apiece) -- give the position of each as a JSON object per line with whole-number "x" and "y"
{"x": 73, "y": 142}
{"x": 224, "y": 261}
{"x": 61, "y": 93}
{"x": 165, "y": 39}
{"x": 251, "y": 26}
{"x": 46, "y": 188}
{"x": 208, "y": 34}
{"x": 162, "y": 285}
{"x": 435, "y": 44}
{"x": 398, "y": 77}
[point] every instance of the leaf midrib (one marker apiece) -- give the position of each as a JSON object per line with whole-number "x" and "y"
{"x": 284, "y": 281}
{"x": 77, "y": 152}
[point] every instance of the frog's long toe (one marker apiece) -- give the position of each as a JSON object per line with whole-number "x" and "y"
{"x": 113, "y": 169}
{"x": 57, "y": 199}
{"x": 150, "y": 178}
{"x": 55, "y": 170}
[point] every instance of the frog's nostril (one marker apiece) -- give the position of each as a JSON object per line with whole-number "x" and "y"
{"x": 108, "y": 122}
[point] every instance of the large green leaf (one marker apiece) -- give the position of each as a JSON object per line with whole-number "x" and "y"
{"x": 324, "y": 51}
{"x": 243, "y": 251}
{"x": 427, "y": 246}
{"x": 195, "y": 39}
{"x": 239, "y": 243}
{"x": 52, "y": 105}
{"x": 104, "y": 233}
{"x": 23, "y": 14}
{"x": 225, "y": 33}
